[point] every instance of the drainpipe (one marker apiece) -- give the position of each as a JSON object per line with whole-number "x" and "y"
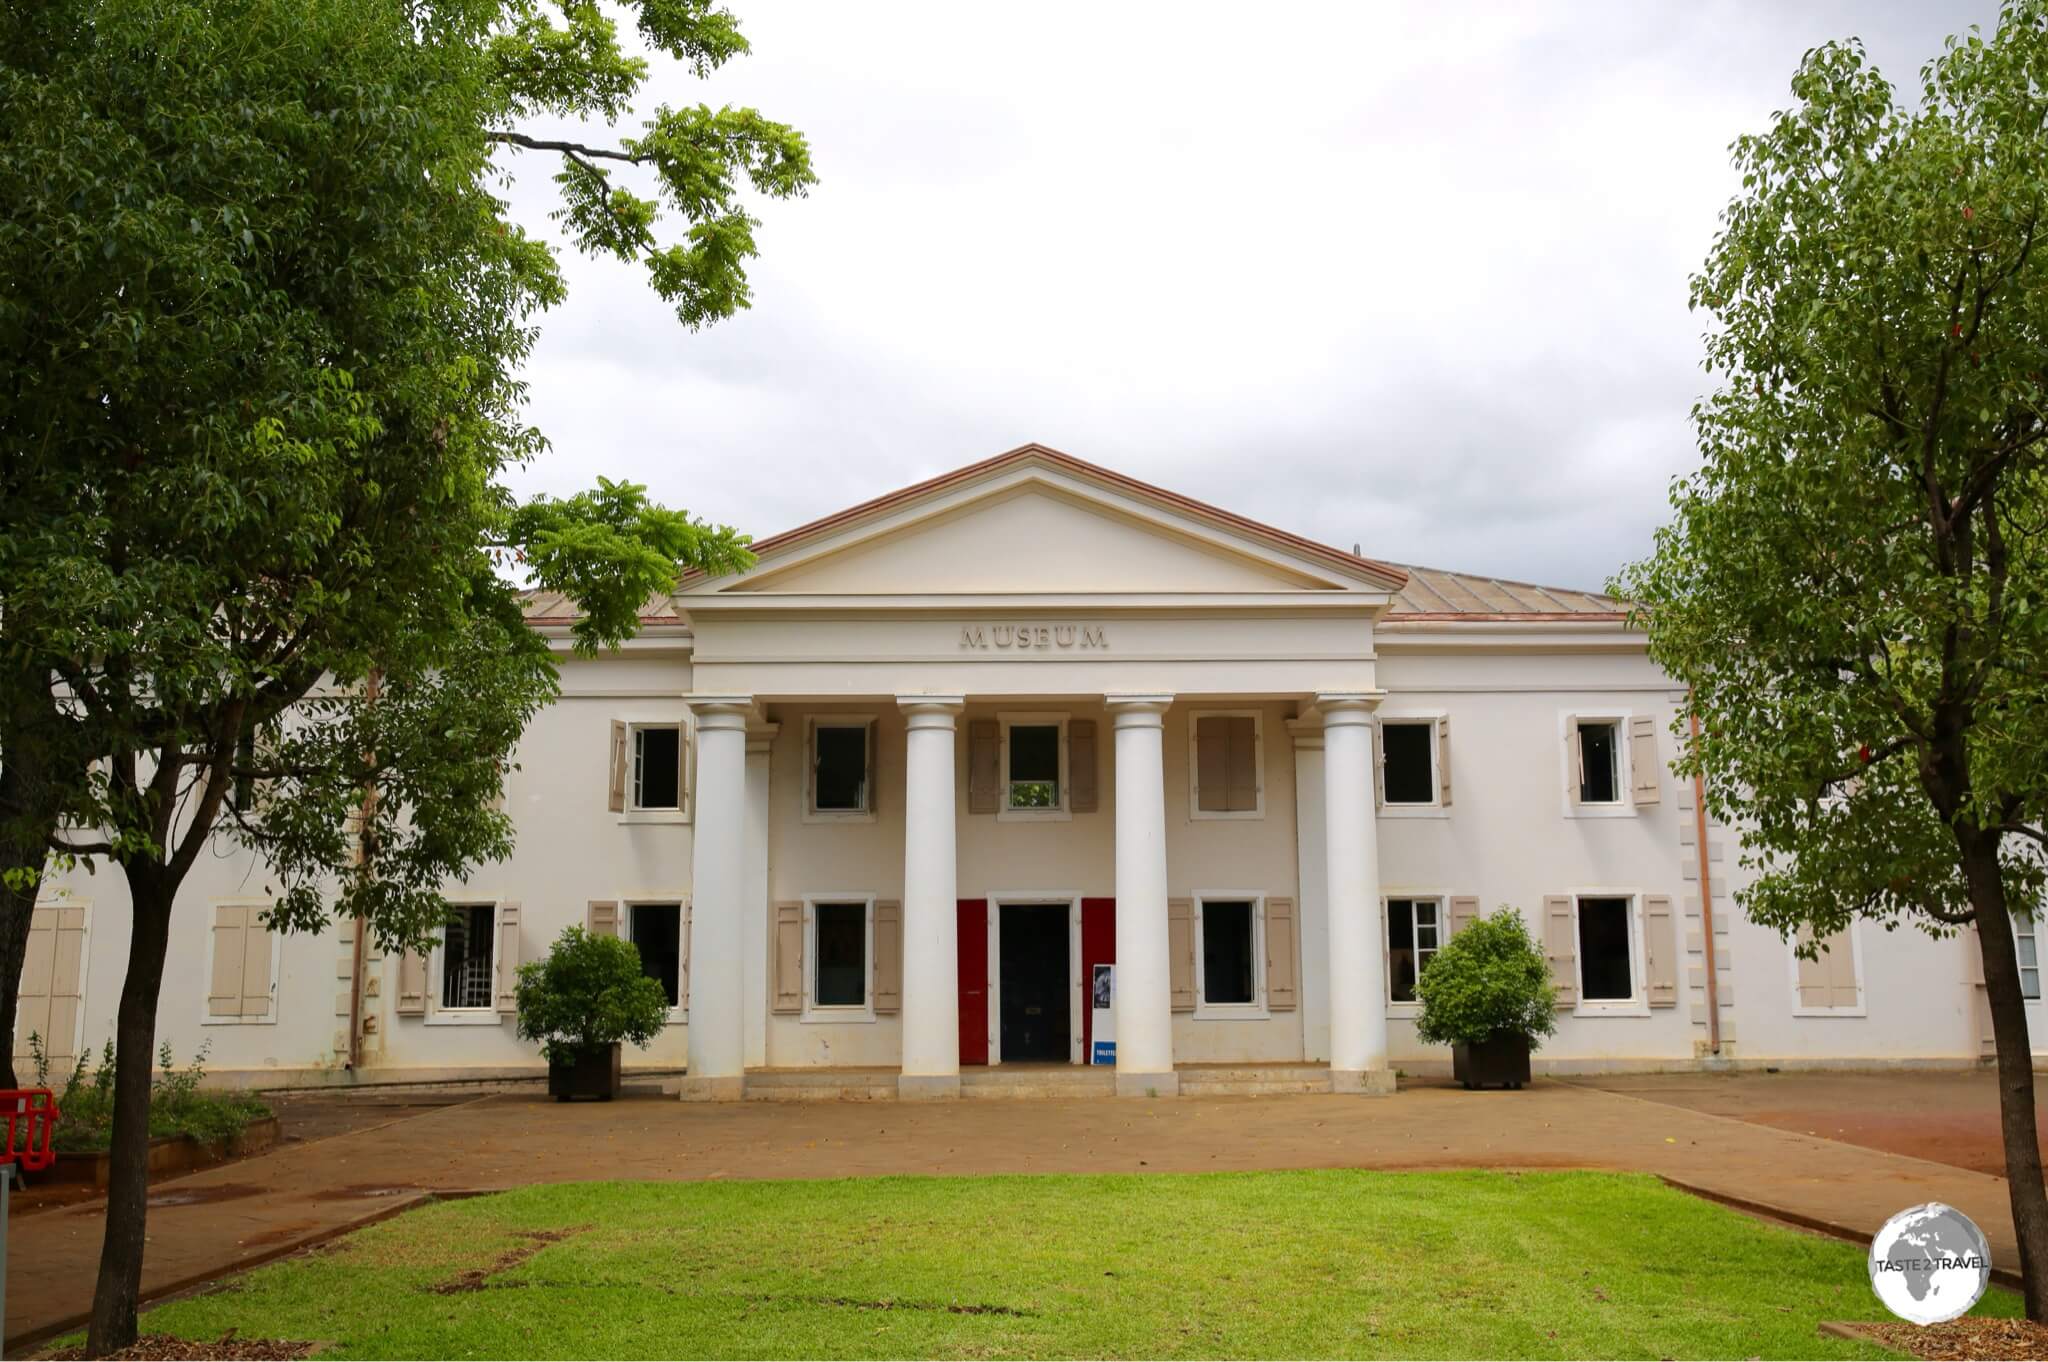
{"x": 1699, "y": 814}
{"x": 372, "y": 684}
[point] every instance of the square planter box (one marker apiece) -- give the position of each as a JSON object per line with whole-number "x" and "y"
{"x": 171, "y": 1155}
{"x": 593, "y": 1073}
{"x": 1502, "y": 1061}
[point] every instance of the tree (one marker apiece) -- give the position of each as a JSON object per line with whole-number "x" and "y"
{"x": 260, "y": 355}
{"x": 1853, "y": 581}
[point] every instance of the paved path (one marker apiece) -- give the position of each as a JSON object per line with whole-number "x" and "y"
{"x": 212, "y": 1222}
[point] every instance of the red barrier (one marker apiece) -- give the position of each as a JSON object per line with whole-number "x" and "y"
{"x": 31, "y": 1120}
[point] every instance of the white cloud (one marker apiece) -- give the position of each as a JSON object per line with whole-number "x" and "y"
{"x": 1408, "y": 276}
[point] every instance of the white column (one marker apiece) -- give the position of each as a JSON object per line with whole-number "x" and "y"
{"x": 1312, "y": 865}
{"x": 718, "y": 888}
{"x": 755, "y": 920}
{"x": 1358, "y": 986}
{"x": 931, "y": 963}
{"x": 1144, "y": 984}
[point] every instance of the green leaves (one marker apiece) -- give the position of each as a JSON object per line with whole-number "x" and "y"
{"x": 588, "y": 991}
{"x": 1488, "y": 980}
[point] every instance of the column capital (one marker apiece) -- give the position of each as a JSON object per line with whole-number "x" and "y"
{"x": 1138, "y": 711}
{"x": 1341, "y": 708}
{"x": 931, "y": 711}
{"x": 722, "y": 712}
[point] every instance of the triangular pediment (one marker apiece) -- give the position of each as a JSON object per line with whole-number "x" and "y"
{"x": 1036, "y": 522}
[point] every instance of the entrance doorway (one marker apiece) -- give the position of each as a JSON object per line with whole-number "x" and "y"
{"x": 1035, "y": 983}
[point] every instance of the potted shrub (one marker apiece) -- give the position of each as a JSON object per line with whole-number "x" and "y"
{"x": 580, "y": 1003}
{"x": 1487, "y": 995}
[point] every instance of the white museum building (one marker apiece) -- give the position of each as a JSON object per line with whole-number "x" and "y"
{"x": 876, "y": 809}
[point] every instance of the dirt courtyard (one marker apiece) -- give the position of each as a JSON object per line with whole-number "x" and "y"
{"x": 1948, "y": 1117}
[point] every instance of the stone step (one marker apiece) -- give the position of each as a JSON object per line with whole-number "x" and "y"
{"x": 1256, "y": 1080}
{"x": 821, "y": 1085}
{"x": 1066, "y": 1081}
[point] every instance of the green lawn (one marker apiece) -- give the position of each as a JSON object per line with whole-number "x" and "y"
{"x": 1306, "y": 1264}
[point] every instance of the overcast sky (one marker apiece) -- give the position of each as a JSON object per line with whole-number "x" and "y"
{"x": 1409, "y": 276}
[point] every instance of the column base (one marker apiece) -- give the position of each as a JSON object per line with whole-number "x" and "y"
{"x": 927, "y": 1087}
{"x": 1147, "y": 1085}
{"x": 706, "y": 1088}
{"x": 1363, "y": 1082}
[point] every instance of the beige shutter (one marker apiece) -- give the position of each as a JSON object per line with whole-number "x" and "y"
{"x": 1212, "y": 764}
{"x": 1464, "y": 912}
{"x": 601, "y": 917}
{"x": 1980, "y": 992}
{"x": 1828, "y": 980}
{"x": 789, "y": 958}
{"x": 507, "y": 963}
{"x": 52, "y": 987}
{"x": 1379, "y": 765}
{"x": 230, "y": 942}
{"x": 1443, "y": 761}
{"x": 1281, "y": 993}
{"x": 683, "y": 961}
{"x": 1561, "y": 947}
{"x": 1643, "y": 761}
{"x": 1242, "y": 792}
{"x": 984, "y": 769}
{"x": 617, "y": 797}
{"x": 1660, "y": 945}
{"x": 888, "y": 956}
{"x": 872, "y": 786}
{"x": 412, "y": 985}
{"x": 1812, "y": 974}
{"x": 1082, "y": 781}
{"x": 1574, "y": 760}
{"x": 256, "y": 954}
{"x": 1180, "y": 950}
{"x": 683, "y": 768}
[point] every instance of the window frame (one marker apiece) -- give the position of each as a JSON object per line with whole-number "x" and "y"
{"x": 812, "y": 1012}
{"x": 438, "y": 1015}
{"x": 680, "y": 1013}
{"x": 811, "y": 812}
{"x": 2033, "y": 932}
{"x": 1637, "y": 1004}
{"x": 276, "y": 965}
{"x": 686, "y": 776}
{"x": 1258, "y": 809}
{"x": 1442, "y": 899}
{"x": 1386, "y": 808}
{"x": 1060, "y": 812}
{"x": 1624, "y": 775}
{"x": 1861, "y": 1008}
{"x": 1256, "y": 1009}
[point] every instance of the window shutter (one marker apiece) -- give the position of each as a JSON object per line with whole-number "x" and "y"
{"x": 1082, "y": 784}
{"x": 1842, "y": 974}
{"x": 1280, "y": 955}
{"x": 683, "y": 962}
{"x": 1379, "y": 766}
{"x": 984, "y": 771}
{"x": 1643, "y": 761}
{"x": 888, "y": 956}
{"x": 51, "y": 998}
{"x": 617, "y": 797}
{"x": 789, "y": 958}
{"x": 412, "y": 985}
{"x": 1464, "y": 911}
{"x": 1828, "y": 980}
{"x": 683, "y": 767}
{"x": 1574, "y": 760}
{"x": 1242, "y": 795}
{"x": 1660, "y": 944}
{"x": 601, "y": 918}
{"x": 507, "y": 962}
{"x": 224, "y": 993}
{"x": 1180, "y": 950}
{"x": 256, "y": 946}
{"x": 872, "y": 786}
{"x": 1212, "y": 764}
{"x": 1561, "y": 948}
{"x": 1443, "y": 761}
{"x": 1812, "y": 974}
{"x": 1980, "y": 992}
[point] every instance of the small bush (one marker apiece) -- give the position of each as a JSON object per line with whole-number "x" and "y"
{"x": 588, "y": 991}
{"x": 1488, "y": 980}
{"x": 178, "y": 1104}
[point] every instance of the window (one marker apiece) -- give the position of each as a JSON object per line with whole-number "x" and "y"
{"x": 658, "y": 766}
{"x": 839, "y": 948}
{"x": 1032, "y": 757}
{"x": 467, "y": 943}
{"x": 2030, "y": 958}
{"x": 1226, "y": 758}
{"x": 1229, "y": 952}
{"x": 1597, "y": 751}
{"x": 657, "y": 930}
{"x": 839, "y": 766}
{"x": 1414, "y": 931}
{"x": 1606, "y": 950}
{"x": 1827, "y": 982}
{"x": 1408, "y": 762}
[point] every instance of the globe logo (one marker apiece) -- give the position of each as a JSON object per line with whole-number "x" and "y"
{"x": 1929, "y": 1263}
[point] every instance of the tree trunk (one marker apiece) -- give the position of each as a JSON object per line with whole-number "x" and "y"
{"x": 115, "y": 1298}
{"x": 29, "y": 808}
{"x": 2023, "y": 1178}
